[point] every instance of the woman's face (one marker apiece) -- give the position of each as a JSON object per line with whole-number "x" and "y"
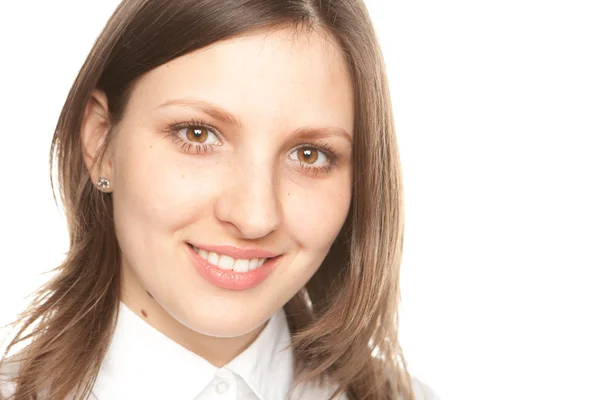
{"x": 247, "y": 144}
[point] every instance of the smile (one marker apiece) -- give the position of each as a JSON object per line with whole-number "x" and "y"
{"x": 227, "y": 272}
{"x": 228, "y": 263}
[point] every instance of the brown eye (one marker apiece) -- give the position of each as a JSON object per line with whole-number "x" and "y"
{"x": 307, "y": 155}
{"x": 312, "y": 156}
{"x": 196, "y": 134}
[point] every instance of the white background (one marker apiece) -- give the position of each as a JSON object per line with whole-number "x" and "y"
{"x": 497, "y": 105}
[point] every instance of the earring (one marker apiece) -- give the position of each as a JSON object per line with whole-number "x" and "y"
{"x": 103, "y": 184}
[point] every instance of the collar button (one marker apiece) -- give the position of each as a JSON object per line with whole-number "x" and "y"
{"x": 222, "y": 387}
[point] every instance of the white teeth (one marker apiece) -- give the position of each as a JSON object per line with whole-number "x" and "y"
{"x": 253, "y": 264}
{"x": 213, "y": 258}
{"x": 241, "y": 265}
{"x": 230, "y": 264}
{"x": 226, "y": 262}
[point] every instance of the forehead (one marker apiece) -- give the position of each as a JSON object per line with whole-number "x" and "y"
{"x": 284, "y": 77}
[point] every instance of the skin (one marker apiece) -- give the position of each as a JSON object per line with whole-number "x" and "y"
{"x": 248, "y": 191}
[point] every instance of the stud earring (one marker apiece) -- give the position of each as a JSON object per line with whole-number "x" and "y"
{"x": 103, "y": 184}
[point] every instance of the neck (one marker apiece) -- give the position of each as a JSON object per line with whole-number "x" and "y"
{"x": 216, "y": 350}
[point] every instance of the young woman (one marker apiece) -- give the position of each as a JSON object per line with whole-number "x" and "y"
{"x": 233, "y": 193}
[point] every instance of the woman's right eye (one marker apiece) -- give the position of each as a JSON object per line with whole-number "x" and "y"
{"x": 199, "y": 135}
{"x": 194, "y": 136}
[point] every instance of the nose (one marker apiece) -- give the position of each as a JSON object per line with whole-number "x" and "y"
{"x": 249, "y": 202}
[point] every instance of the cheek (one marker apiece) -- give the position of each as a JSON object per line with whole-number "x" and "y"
{"x": 315, "y": 215}
{"x": 156, "y": 194}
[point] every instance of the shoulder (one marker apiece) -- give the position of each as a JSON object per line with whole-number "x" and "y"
{"x": 9, "y": 371}
{"x": 422, "y": 391}
{"x": 8, "y": 374}
{"x": 311, "y": 391}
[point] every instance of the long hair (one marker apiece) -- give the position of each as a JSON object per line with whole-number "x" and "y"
{"x": 344, "y": 322}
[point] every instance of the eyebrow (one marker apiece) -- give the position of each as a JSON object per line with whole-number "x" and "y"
{"x": 214, "y": 111}
{"x": 226, "y": 117}
{"x": 312, "y": 133}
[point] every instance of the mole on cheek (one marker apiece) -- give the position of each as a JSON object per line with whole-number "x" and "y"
{"x": 144, "y": 314}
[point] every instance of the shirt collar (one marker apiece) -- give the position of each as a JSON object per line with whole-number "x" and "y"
{"x": 267, "y": 364}
{"x": 142, "y": 362}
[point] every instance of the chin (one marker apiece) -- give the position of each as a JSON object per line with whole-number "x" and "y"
{"x": 223, "y": 322}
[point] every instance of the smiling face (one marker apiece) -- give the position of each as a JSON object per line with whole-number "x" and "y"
{"x": 245, "y": 143}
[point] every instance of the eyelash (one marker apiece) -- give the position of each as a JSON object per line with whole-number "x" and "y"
{"x": 173, "y": 132}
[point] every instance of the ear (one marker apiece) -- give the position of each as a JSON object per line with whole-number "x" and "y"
{"x": 95, "y": 128}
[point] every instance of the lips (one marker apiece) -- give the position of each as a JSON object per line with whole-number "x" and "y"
{"x": 228, "y": 263}
{"x": 229, "y": 278}
{"x": 235, "y": 252}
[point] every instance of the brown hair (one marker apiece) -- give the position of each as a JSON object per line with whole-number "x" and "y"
{"x": 344, "y": 323}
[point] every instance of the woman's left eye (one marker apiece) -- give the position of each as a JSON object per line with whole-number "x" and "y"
{"x": 310, "y": 156}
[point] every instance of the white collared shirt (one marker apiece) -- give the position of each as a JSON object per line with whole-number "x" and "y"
{"x": 144, "y": 364}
